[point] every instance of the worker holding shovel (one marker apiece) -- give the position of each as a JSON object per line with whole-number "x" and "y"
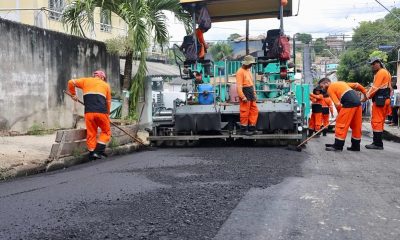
{"x": 348, "y": 105}
{"x": 97, "y": 101}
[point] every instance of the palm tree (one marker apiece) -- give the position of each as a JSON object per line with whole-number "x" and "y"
{"x": 145, "y": 19}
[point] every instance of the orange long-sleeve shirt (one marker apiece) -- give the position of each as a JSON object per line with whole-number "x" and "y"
{"x": 316, "y": 98}
{"x": 96, "y": 93}
{"x": 243, "y": 79}
{"x": 341, "y": 93}
{"x": 327, "y": 103}
{"x": 382, "y": 79}
{"x": 200, "y": 37}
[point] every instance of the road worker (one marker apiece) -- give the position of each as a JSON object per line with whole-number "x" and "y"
{"x": 247, "y": 96}
{"x": 97, "y": 100}
{"x": 203, "y": 45}
{"x": 326, "y": 109}
{"x": 315, "y": 121}
{"x": 380, "y": 95}
{"x": 348, "y": 105}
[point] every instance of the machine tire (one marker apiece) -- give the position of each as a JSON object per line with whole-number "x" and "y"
{"x": 180, "y": 143}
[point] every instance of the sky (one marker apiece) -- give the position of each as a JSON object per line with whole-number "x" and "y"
{"x": 317, "y": 17}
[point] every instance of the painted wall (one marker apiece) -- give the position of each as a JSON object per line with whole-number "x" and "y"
{"x": 35, "y": 67}
{"x": 40, "y": 18}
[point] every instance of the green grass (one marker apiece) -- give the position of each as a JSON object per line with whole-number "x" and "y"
{"x": 38, "y": 130}
{"x": 4, "y": 174}
{"x": 113, "y": 143}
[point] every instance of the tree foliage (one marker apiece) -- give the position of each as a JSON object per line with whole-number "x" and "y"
{"x": 221, "y": 51}
{"x": 367, "y": 38}
{"x": 146, "y": 20}
{"x": 233, "y": 36}
{"x": 304, "y": 37}
{"x": 319, "y": 46}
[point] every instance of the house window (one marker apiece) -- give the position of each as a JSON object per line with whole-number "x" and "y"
{"x": 105, "y": 20}
{"x": 56, "y": 7}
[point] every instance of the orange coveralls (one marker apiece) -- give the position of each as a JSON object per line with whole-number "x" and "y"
{"x": 200, "y": 38}
{"x": 248, "y": 110}
{"x": 316, "y": 116}
{"x": 348, "y": 104}
{"x": 326, "y": 109}
{"x": 382, "y": 80}
{"x": 97, "y": 99}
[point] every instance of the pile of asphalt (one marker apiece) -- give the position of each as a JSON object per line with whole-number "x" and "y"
{"x": 195, "y": 202}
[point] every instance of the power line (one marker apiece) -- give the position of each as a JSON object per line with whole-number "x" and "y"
{"x": 387, "y": 9}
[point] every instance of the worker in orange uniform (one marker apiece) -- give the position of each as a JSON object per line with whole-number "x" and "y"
{"x": 97, "y": 100}
{"x": 203, "y": 45}
{"x": 316, "y": 107}
{"x": 348, "y": 104}
{"x": 380, "y": 95}
{"x": 247, "y": 97}
{"x": 326, "y": 109}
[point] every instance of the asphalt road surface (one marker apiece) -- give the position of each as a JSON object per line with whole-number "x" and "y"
{"x": 212, "y": 192}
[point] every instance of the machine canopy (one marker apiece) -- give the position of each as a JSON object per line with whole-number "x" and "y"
{"x": 233, "y": 10}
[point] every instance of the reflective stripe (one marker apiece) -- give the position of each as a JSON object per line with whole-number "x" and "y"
{"x": 73, "y": 81}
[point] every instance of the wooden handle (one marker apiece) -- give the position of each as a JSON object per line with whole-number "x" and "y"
{"x": 309, "y": 138}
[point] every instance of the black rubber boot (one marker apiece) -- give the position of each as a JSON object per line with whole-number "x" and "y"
{"x": 100, "y": 149}
{"x": 243, "y": 130}
{"x": 324, "y": 132}
{"x": 310, "y": 132}
{"x": 337, "y": 146}
{"x": 377, "y": 143}
{"x": 93, "y": 155}
{"x": 355, "y": 145}
{"x": 252, "y": 130}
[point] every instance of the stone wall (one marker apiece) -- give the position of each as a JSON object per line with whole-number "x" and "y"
{"x": 35, "y": 65}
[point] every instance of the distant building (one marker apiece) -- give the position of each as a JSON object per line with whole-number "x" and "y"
{"x": 335, "y": 42}
{"x": 47, "y": 14}
{"x": 255, "y": 46}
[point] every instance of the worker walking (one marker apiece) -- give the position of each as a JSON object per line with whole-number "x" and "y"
{"x": 247, "y": 97}
{"x": 380, "y": 95}
{"x": 326, "y": 109}
{"x": 316, "y": 108}
{"x": 97, "y": 101}
{"x": 348, "y": 105}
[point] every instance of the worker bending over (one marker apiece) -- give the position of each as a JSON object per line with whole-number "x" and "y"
{"x": 326, "y": 109}
{"x": 316, "y": 107}
{"x": 380, "y": 95}
{"x": 247, "y": 97}
{"x": 97, "y": 101}
{"x": 348, "y": 105}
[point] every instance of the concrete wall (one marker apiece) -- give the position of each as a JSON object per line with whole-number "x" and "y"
{"x": 35, "y": 67}
{"x": 41, "y": 18}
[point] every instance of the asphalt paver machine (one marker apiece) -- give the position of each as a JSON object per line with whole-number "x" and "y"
{"x": 211, "y": 109}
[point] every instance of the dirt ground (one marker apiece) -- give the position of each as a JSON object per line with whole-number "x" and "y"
{"x": 22, "y": 150}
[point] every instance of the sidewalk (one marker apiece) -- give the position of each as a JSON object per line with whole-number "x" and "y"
{"x": 391, "y": 133}
{"x": 27, "y": 155}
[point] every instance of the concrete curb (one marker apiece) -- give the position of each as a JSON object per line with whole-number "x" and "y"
{"x": 367, "y": 131}
{"x": 31, "y": 169}
{"x": 71, "y": 161}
